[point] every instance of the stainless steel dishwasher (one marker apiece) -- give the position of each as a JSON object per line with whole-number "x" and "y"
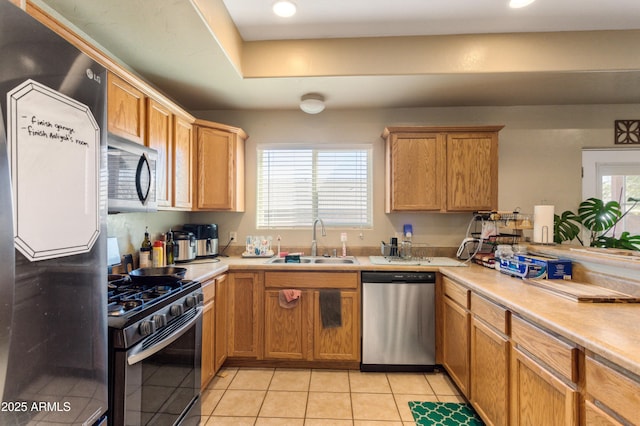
{"x": 398, "y": 321}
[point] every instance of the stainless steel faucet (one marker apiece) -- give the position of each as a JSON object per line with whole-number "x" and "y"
{"x": 314, "y": 243}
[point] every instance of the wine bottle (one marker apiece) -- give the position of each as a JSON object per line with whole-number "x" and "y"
{"x": 145, "y": 250}
{"x": 170, "y": 249}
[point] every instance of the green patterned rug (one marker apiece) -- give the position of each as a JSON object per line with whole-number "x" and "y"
{"x": 443, "y": 414}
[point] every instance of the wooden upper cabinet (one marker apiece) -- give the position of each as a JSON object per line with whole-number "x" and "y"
{"x": 172, "y": 136}
{"x": 183, "y": 159}
{"x": 160, "y": 138}
{"x": 415, "y": 166}
{"x": 126, "y": 109}
{"x": 446, "y": 169}
{"x": 219, "y": 167}
{"x": 472, "y": 171}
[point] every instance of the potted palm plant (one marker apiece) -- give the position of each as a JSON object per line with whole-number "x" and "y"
{"x": 600, "y": 220}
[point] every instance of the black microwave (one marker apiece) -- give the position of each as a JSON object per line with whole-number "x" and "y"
{"x": 132, "y": 176}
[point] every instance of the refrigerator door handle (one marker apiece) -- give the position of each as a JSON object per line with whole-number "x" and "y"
{"x": 7, "y": 256}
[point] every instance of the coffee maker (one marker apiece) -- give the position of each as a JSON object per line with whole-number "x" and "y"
{"x": 206, "y": 238}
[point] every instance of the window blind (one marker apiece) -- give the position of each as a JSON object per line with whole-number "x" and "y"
{"x": 296, "y": 185}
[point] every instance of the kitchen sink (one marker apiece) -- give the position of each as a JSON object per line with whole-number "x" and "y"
{"x": 282, "y": 260}
{"x": 319, "y": 260}
{"x": 336, "y": 260}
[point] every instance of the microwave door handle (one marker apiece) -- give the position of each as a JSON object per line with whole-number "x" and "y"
{"x": 139, "y": 353}
{"x": 143, "y": 193}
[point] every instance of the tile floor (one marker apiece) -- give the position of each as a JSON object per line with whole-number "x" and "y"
{"x": 278, "y": 396}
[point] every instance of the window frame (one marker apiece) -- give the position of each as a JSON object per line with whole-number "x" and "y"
{"x": 315, "y": 149}
{"x": 597, "y": 162}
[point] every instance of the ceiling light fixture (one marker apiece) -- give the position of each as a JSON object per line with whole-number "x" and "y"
{"x": 312, "y": 103}
{"x": 516, "y": 4}
{"x": 284, "y": 8}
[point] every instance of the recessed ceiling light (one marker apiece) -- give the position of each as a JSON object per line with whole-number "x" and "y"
{"x": 515, "y": 4}
{"x": 284, "y": 8}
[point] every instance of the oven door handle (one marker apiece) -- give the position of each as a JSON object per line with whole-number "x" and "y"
{"x": 139, "y": 352}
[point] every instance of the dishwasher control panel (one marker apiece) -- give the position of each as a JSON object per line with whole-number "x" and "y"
{"x": 398, "y": 277}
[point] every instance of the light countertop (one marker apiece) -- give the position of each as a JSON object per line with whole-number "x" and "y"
{"x": 606, "y": 329}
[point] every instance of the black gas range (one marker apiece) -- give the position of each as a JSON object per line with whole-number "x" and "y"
{"x": 155, "y": 336}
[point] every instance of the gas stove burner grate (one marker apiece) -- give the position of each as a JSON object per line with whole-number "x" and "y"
{"x": 130, "y": 298}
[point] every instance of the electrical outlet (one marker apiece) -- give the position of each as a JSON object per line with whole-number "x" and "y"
{"x": 233, "y": 235}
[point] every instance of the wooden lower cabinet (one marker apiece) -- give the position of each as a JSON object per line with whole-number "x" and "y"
{"x": 489, "y": 360}
{"x": 595, "y": 416}
{"x": 286, "y": 330}
{"x": 245, "y": 303}
{"x": 221, "y": 321}
{"x": 338, "y": 343}
{"x": 297, "y": 333}
{"x": 214, "y": 327}
{"x": 455, "y": 342}
{"x": 538, "y": 397}
{"x": 208, "y": 333}
{"x": 489, "y": 367}
{"x": 612, "y": 394}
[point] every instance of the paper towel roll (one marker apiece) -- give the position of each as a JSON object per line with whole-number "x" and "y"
{"x": 543, "y": 224}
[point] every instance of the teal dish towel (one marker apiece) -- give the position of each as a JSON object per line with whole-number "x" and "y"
{"x": 331, "y": 308}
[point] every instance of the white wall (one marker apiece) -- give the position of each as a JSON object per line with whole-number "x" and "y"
{"x": 539, "y": 160}
{"x": 129, "y": 227}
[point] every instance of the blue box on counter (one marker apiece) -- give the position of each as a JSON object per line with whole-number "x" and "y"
{"x": 516, "y": 268}
{"x": 552, "y": 268}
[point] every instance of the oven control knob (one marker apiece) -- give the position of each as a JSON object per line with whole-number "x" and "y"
{"x": 176, "y": 310}
{"x": 191, "y": 301}
{"x": 159, "y": 321}
{"x": 145, "y": 328}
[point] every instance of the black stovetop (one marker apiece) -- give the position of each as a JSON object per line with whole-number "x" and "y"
{"x": 129, "y": 301}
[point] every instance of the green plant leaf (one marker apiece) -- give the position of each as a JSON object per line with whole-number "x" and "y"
{"x": 566, "y": 227}
{"x": 597, "y": 216}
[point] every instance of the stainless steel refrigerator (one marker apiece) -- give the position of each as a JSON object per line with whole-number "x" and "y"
{"x": 53, "y": 251}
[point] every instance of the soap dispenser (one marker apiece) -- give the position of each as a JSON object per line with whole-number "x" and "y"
{"x": 406, "y": 242}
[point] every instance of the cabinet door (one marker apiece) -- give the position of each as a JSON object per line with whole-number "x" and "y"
{"x": 472, "y": 171}
{"x": 415, "y": 172}
{"x": 125, "y": 109}
{"x": 538, "y": 397}
{"x": 221, "y": 321}
{"x": 338, "y": 343}
{"x": 455, "y": 343}
{"x": 208, "y": 331}
{"x": 246, "y": 292}
{"x": 183, "y": 164}
{"x": 220, "y": 165}
{"x": 159, "y": 137}
{"x": 489, "y": 368}
{"x": 286, "y": 330}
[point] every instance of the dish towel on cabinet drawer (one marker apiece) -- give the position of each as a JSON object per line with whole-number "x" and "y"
{"x": 331, "y": 308}
{"x": 289, "y": 298}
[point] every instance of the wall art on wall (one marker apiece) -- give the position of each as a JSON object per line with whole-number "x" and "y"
{"x": 627, "y": 132}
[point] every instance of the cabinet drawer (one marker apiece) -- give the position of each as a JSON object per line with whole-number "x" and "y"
{"x": 613, "y": 389}
{"x": 311, "y": 279}
{"x": 594, "y": 416}
{"x": 456, "y": 292}
{"x": 554, "y": 352}
{"x": 208, "y": 290}
{"x": 492, "y": 314}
